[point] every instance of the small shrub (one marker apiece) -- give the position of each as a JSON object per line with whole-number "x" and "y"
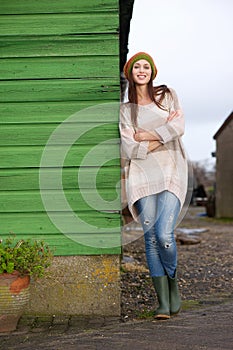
{"x": 28, "y": 257}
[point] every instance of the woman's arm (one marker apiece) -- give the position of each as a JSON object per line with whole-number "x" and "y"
{"x": 143, "y": 135}
{"x": 130, "y": 148}
{"x": 174, "y": 128}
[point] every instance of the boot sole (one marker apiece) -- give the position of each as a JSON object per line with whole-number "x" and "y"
{"x": 162, "y": 317}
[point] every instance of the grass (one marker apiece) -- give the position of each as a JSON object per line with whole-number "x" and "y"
{"x": 190, "y": 304}
{"x": 145, "y": 314}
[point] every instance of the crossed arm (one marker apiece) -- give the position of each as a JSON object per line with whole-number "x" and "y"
{"x": 152, "y": 136}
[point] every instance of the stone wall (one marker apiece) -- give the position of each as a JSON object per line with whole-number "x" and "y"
{"x": 78, "y": 285}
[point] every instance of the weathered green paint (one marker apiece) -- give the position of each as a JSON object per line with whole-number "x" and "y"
{"x": 107, "y": 177}
{"x": 30, "y": 201}
{"x": 55, "y": 112}
{"x": 54, "y": 6}
{"x": 22, "y": 157}
{"x": 59, "y": 90}
{"x": 38, "y": 134}
{"x": 96, "y": 243}
{"x": 58, "y": 67}
{"x": 11, "y": 135}
{"x": 59, "y": 58}
{"x": 58, "y": 46}
{"x": 38, "y": 224}
{"x": 59, "y": 24}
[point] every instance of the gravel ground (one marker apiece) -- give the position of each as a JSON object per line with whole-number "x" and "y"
{"x": 205, "y": 269}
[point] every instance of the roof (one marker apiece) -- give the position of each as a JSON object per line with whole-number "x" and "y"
{"x": 227, "y": 121}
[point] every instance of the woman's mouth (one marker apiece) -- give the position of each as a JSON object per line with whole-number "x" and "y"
{"x": 141, "y": 76}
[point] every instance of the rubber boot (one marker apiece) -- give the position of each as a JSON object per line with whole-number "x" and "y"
{"x": 174, "y": 295}
{"x": 162, "y": 289}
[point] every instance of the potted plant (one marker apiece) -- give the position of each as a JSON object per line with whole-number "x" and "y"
{"x": 20, "y": 260}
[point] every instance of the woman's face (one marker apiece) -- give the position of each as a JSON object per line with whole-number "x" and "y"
{"x": 141, "y": 72}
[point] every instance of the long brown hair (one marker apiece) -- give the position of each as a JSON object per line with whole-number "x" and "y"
{"x": 156, "y": 93}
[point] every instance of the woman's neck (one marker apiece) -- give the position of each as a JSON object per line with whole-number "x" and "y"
{"x": 143, "y": 95}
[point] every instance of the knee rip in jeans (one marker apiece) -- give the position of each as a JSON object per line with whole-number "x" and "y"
{"x": 147, "y": 222}
{"x": 167, "y": 245}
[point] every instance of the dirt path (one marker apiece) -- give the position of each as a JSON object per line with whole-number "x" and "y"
{"x": 205, "y": 270}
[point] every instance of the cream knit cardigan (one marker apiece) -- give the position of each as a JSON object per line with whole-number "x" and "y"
{"x": 165, "y": 168}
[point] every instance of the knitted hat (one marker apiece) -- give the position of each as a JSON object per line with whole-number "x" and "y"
{"x": 139, "y": 56}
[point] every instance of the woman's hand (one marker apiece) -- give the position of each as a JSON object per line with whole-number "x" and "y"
{"x": 142, "y": 135}
{"x": 153, "y": 145}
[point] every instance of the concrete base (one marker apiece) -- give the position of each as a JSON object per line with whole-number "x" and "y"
{"x": 78, "y": 285}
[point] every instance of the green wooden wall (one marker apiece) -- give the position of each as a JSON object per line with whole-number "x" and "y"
{"x": 58, "y": 58}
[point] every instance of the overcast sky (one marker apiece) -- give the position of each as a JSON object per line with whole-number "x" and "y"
{"x": 192, "y": 45}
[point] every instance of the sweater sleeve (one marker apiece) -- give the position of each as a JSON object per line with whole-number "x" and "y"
{"x": 175, "y": 128}
{"x": 129, "y": 147}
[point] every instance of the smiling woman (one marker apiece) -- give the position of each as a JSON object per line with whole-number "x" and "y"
{"x": 141, "y": 72}
{"x": 151, "y": 127}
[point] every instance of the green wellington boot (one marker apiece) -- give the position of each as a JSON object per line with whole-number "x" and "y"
{"x": 162, "y": 289}
{"x": 174, "y": 295}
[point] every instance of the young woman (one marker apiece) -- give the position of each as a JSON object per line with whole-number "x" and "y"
{"x": 151, "y": 126}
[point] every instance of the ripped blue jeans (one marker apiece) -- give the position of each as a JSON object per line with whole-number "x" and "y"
{"x": 158, "y": 214}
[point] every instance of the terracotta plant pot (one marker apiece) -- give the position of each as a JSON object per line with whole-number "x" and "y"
{"x": 14, "y": 295}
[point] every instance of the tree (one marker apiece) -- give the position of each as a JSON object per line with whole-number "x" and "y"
{"x": 204, "y": 174}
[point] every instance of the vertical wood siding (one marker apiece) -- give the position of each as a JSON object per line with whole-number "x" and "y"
{"x": 58, "y": 58}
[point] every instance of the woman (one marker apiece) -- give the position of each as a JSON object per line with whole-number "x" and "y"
{"x": 151, "y": 126}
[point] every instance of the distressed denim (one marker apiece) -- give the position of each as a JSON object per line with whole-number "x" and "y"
{"x": 158, "y": 214}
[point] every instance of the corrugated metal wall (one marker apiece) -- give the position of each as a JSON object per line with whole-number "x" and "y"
{"x": 58, "y": 58}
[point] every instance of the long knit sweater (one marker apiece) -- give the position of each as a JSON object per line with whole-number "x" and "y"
{"x": 163, "y": 169}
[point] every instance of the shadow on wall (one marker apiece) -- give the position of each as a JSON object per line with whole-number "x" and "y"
{"x": 126, "y": 11}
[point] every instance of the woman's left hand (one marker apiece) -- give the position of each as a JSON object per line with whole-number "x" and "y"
{"x": 142, "y": 135}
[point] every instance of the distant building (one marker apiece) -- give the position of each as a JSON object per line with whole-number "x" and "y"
{"x": 224, "y": 169}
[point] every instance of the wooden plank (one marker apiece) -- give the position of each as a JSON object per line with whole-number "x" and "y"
{"x": 56, "y": 112}
{"x": 79, "y": 200}
{"x": 59, "y": 24}
{"x": 60, "y": 90}
{"x": 28, "y": 179}
{"x": 62, "y": 245}
{"x": 59, "y": 57}
{"x": 54, "y": 6}
{"x": 59, "y": 46}
{"x": 73, "y": 245}
{"x": 59, "y": 67}
{"x": 28, "y": 157}
{"x": 40, "y": 223}
{"x": 67, "y": 134}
